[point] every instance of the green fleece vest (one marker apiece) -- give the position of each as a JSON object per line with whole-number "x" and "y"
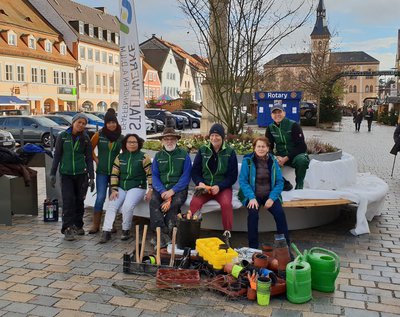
{"x": 170, "y": 166}
{"x": 223, "y": 161}
{"x": 282, "y": 136}
{"x": 106, "y": 154}
{"x": 73, "y": 160}
{"x": 131, "y": 172}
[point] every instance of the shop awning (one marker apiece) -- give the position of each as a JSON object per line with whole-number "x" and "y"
{"x": 12, "y": 101}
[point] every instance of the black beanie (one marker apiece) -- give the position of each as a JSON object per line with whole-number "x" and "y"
{"x": 110, "y": 116}
{"x": 218, "y": 129}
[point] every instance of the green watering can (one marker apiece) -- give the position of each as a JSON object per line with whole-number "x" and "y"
{"x": 325, "y": 266}
{"x": 298, "y": 281}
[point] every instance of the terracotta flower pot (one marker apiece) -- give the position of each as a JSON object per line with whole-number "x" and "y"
{"x": 251, "y": 294}
{"x": 260, "y": 260}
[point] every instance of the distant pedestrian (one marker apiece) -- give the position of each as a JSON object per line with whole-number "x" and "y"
{"x": 369, "y": 116}
{"x": 358, "y": 117}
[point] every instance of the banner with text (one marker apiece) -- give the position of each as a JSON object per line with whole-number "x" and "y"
{"x": 131, "y": 115}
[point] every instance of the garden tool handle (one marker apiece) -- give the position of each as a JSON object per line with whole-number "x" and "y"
{"x": 171, "y": 262}
{"x": 158, "y": 254}
{"x": 137, "y": 243}
{"x": 143, "y": 243}
{"x": 331, "y": 253}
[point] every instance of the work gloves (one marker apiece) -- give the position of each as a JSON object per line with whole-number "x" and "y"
{"x": 91, "y": 185}
{"x": 53, "y": 180}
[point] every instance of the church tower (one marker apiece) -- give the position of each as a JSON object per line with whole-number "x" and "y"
{"x": 320, "y": 35}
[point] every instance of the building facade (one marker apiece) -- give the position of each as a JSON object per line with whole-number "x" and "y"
{"x": 35, "y": 62}
{"x": 92, "y": 36}
{"x": 287, "y": 71}
{"x": 151, "y": 82}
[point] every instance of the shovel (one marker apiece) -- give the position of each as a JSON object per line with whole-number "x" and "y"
{"x": 171, "y": 262}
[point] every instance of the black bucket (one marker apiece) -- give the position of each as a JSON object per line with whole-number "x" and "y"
{"x": 188, "y": 233}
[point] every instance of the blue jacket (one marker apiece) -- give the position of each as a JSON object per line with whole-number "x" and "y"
{"x": 247, "y": 179}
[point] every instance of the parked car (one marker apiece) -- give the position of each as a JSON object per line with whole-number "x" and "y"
{"x": 308, "y": 109}
{"x": 100, "y": 114}
{"x": 92, "y": 119}
{"x": 7, "y": 140}
{"x": 66, "y": 121}
{"x": 181, "y": 121}
{"x": 161, "y": 114}
{"x": 158, "y": 125}
{"x": 194, "y": 121}
{"x": 193, "y": 112}
{"x": 34, "y": 129}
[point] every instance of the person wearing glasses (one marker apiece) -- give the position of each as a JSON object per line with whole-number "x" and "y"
{"x": 108, "y": 142}
{"x": 130, "y": 178}
{"x": 171, "y": 176}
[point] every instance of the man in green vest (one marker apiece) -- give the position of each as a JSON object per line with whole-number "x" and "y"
{"x": 288, "y": 139}
{"x": 171, "y": 170}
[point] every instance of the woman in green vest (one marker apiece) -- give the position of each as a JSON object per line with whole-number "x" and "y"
{"x": 73, "y": 153}
{"x": 108, "y": 142}
{"x": 130, "y": 177}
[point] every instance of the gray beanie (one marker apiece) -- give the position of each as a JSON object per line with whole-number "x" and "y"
{"x": 78, "y": 116}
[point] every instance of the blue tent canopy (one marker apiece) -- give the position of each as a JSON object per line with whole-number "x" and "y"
{"x": 12, "y": 100}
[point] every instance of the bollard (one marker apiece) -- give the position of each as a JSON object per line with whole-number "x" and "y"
{"x": 21, "y": 136}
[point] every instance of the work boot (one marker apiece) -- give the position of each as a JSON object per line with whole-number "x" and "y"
{"x": 126, "y": 234}
{"x": 106, "y": 236}
{"x": 79, "y": 231}
{"x": 69, "y": 234}
{"x": 96, "y": 222}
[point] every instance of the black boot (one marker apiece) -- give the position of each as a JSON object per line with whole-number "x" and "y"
{"x": 106, "y": 236}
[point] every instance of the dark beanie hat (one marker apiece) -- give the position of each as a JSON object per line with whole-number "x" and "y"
{"x": 218, "y": 129}
{"x": 110, "y": 116}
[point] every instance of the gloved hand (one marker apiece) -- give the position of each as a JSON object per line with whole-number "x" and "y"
{"x": 53, "y": 181}
{"x": 91, "y": 185}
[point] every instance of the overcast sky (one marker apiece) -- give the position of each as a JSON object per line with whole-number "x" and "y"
{"x": 358, "y": 25}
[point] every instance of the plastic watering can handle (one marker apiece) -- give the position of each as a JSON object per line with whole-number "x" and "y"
{"x": 332, "y": 254}
{"x": 294, "y": 247}
{"x": 296, "y": 260}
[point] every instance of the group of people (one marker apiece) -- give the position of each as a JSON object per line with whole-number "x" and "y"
{"x": 129, "y": 175}
{"x": 358, "y": 118}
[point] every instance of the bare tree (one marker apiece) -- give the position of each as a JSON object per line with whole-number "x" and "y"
{"x": 319, "y": 79}
{"x": 237, "y": 35}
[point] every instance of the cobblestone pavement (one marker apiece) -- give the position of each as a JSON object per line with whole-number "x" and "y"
{"x": 43, "y": 275}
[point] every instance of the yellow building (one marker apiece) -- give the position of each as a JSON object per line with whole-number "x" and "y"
{"x": 35, "y": 63}
{"x": 92, "y": 35}
{"x": 286, "y": 71}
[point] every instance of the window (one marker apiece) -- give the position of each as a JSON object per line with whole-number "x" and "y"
{"x": 354, "y": 88}
{"x": 369, "y": 77}
{"x": 91, "y": 30}
{"x": 63, "y": 49}
{"x": 13, "y": 122}
{"x": 97, "y": 55}
{"x": 110, "y": 59}
{"x": 371, "y": 88}
{"x": 100, "y": 33}
{"x": 27, "y": 122}
{"x": 111, "y": 79}
{"x": 150, "y": 76}
{"x": 83, "y": 78}
{"x": 63, "y": 78}
{"x": 104, "y": 81}
{"x": 43, "y": 75}
{"x": 71, "y": 79}
{"x": 34, "y": 75}
{"x": 90, "y": 54}
{"x": 31, "y": 42}
{"x": 108, "y": 36}
{"x": 353, "y": 77}
{"x": 56, "y": 77}
{"x": 47, "y": 46}
{"x": 9, "y": 72}
{"x": 12, "y": 38}
{"x": 82, "y": 52}
{"x": 104, "y": 57}
{"x": 20, "y": 73}
{"x": 117, "y": 39}
{"x": 81, "y": 28}
{"x": 98, "y": 80}
{"x": 116, "y": 59}
{"x": 366, "y": 88}
{"x": 350, "y": 89}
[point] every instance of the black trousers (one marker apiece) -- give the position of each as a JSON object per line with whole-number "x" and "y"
{"x": 166, "y": 221}
{"x": 73, "y": 190}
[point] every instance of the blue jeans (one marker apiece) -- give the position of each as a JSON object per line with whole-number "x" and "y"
{"x": 102, "y": 182}
{"x": 252, "y": 221}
